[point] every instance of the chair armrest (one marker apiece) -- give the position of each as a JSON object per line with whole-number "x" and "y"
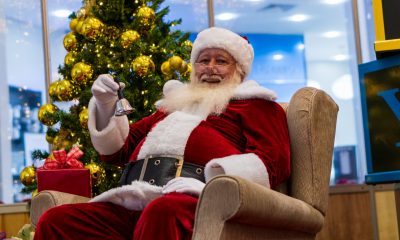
{"x": 231, "y": 198}
{"x": 45, "y": 200}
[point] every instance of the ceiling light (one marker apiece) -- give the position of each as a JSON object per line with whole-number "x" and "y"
{"x": 298, "y": 17}
{"x": 332, "y": 34}
{"x": 341, "y": 57}
{"x": 277, "y": 57}
{"x": 333, "y": 2}
{"x": 300, "y": 46}
{"x": 342, "y": 87}
{"x": 279, "y": 81}
{"x": 226, "y": 16}
{"x": 62, "y": 13}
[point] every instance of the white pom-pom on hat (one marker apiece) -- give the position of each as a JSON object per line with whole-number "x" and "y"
{"x": 237, "y": 46}
{"x": 171, "y": 85}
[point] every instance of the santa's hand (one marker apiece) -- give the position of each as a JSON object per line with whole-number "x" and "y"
{"x": 105, "y": 94}
{"x": 184, "y": 185}
{"x": 105, "y": 89}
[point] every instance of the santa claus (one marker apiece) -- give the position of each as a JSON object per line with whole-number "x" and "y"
{"x": 219, "y": 123}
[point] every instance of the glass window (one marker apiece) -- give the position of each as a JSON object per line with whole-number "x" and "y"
{"x": 305, "y": 43}
{"x": 193, "y": 13}
{"x": 22, "y": 91}
{"x": 58, "y": 26}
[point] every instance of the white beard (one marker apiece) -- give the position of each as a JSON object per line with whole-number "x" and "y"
{"x": 200, "y": 99}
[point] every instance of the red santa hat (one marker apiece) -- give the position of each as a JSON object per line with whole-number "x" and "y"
{"x": 237, "y": 46}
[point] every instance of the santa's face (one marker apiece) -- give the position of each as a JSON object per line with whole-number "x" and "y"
{"x": 214, "y": 67}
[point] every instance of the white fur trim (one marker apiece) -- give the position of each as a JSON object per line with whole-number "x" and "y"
{"x": 251, "y": 89}
{"x": 169, "y": 86}
{"x": 170, "y": 135}
{"x": 227, "y": 40}
{"x": 110, "y": 139}
{"x": 248, "y": 166}
{"x": 133, "y": 197}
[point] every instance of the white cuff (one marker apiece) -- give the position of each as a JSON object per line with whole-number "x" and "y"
{"x": 248, "y": 166}
{"x": 110, "y": 139}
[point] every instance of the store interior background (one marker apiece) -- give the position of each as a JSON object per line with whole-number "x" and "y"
{"x": 297, "y": 43}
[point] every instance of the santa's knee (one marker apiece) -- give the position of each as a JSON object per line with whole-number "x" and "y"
{"x": 160, "y": 207}
{"x": 52, "y": 217}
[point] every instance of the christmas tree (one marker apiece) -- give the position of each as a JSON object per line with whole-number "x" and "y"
{"x": 131, "y": 41}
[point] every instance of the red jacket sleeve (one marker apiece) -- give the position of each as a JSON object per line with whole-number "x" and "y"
{"x": 265, "y": 128}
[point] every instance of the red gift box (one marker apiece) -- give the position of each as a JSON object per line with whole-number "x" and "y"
{"x": 74, "y": 181}
{"x": 63, "y": 172}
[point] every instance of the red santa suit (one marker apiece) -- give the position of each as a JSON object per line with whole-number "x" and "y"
{"x": 249, "y": 139}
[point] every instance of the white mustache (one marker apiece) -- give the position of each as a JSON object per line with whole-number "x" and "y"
{"x": 210, "y": 78}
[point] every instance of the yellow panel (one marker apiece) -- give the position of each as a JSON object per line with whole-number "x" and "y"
{"x": 386, "y": 215}
{"x": 12, "y": 223}
{"x": 387, "y": 45}
{"x": 378, "y": 19}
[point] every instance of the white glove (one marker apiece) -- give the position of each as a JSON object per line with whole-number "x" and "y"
{"x": 133, "y": 197}
{"x": 184, "y": 185}
{"x": 105, "y": 91}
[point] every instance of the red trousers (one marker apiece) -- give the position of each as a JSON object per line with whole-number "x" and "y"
{"x": 168, "y": 217}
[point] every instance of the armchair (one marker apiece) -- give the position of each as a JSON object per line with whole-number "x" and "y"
{"x": 233, "y": 208}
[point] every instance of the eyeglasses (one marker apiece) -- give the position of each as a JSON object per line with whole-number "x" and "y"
{"x": 219, "y": 66}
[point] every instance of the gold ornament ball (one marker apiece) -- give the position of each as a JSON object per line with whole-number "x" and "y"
{"x": 83, "y": 117}
{"x": 72, "y": 24}
{"x": 28, "y": 176}
{"x": 96, "y": 172}
{"x": 53, "y": 91}
{"x": 175, "y": 62}
{"x": 81, "y": 73}
{"x": 143, "y": 66}
{"x": 187, "y": 44}
{"x": 48, "y": 114}
{"x": 49, "y": 139}
{"x": 146, "y": 16}
{"x": 188, "y": 71}
{"x": 165, "y": 68}
{"x": 183, "y": 68}
{"x": 78, "y": 27}
{"x": 65, "y": 90}
{"x": 70, "y": 41}
{"x": 61, "y": 143}
{"x": 57, "y": 141}
{"x": 69, "y": 58}
{"x": 128, "y": 37}
{"x": 91, "y": 27}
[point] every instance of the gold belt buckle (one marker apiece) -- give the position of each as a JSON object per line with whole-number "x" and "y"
{"x": 144, "y": 166}
{"x": 179, "y": 166}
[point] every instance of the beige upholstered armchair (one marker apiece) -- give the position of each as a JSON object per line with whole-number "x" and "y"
{"x": 234, "y": 208}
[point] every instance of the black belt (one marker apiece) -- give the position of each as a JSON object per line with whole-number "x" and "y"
{"x": 158, "y": 170}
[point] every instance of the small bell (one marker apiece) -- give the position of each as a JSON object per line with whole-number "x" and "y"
{"x": 123, "y": 107}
